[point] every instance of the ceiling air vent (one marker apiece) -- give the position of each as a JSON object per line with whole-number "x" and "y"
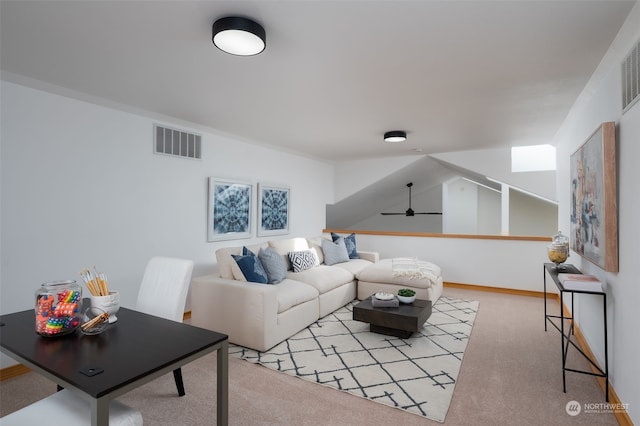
{"x": 631, "y": 78}
{"x": 176, "y": 142}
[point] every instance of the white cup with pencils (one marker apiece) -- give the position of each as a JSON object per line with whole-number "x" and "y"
{"x": 109, "y": 303}
{"x": 101, "y": 297}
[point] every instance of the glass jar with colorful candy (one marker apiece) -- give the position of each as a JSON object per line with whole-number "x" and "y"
{"x": 58, "y": 308}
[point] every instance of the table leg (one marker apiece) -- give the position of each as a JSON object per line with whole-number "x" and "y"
{"x": 223, "y": 384}
{"x": 606, "y": 348}
{"x": 544, "y": 283}
{"x": 572, "y": 310}
{"x": 564, "y": 352}
{"x": 100, "y": 412}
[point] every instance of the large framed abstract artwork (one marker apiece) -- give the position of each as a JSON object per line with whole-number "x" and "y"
{"x": 594, "y": 212}
{"x": 273, "y": 209}
{"x": 230, "y": 209}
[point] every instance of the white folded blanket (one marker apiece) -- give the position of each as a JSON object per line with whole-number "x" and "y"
{"x": 413, "y": 268}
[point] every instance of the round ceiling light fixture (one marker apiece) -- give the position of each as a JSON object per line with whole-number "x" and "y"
{"x": 395, "y": 136}
{"x": 239, "y": 36}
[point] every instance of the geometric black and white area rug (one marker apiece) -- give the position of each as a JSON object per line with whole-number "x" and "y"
{"x": 417, "y": 374}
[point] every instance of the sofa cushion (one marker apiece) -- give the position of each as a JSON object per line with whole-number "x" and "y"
{"x": 354, "y": 266}
{"x": 334, "y": 252}
{"x": 382, "y": 272}
{"x": 292, "y": 293}
{"x": 235, "y": 269}
{"x": 273, "y": 264}
{"x": 350, "y": 242}
{"x": 251, "y": 267}
{"x": 226, "y": 262}
{"x": 324, "y": 278}
{"x": 316, "y": 244}
{"x": 284, "y": 246}
{"x": 303, "y": 260}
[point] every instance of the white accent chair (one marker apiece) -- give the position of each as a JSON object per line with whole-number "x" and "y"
{"x": 163, "y": 293}
{"x": 69, "y": 409}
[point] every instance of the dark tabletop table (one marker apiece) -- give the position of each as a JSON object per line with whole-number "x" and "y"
{"x": 133, "y": 351}
{"x": 401, "y": 322}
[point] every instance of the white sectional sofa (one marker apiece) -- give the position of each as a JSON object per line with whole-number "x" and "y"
{"x": 259, "y": 316}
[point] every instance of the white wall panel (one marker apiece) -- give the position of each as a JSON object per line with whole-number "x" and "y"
{"x": 81, "y": 186}
{"x": 489, "y": 262}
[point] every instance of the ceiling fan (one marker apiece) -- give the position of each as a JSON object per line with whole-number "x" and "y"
{"x": 409, "y": 211}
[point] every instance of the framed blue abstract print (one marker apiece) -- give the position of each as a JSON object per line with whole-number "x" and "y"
{"x": 273, "y": 209}
{"x": 230, "y": 209}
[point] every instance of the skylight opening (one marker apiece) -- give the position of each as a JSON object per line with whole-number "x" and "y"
{"x": 534, "y": 158}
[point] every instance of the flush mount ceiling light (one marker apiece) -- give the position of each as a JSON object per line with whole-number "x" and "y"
{"x": 395, "y": 136}
{"x": 239, "y": 36}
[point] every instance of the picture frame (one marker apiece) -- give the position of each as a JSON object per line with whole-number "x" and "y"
{"x": 594, "y": 211}
{"x": 230, "y": 209}
{"x": 273, "y": 209}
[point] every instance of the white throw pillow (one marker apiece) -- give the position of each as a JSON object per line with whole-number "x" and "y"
{"x": 303, "y": 260}
{"x": 285, "y": 246}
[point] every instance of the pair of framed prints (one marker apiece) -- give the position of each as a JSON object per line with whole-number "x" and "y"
{"x": 231, "y": 209}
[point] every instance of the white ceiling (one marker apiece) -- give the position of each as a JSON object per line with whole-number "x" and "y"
{"x": 456, "y": 75}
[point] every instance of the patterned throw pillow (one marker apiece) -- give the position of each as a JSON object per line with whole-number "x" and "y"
{"x": 251, "y": 266}
{"x": 350, "y": 242}
{"x": 303, "y": 260}
{"x": 273, "y": 264}
{"x": 335, "y": 252}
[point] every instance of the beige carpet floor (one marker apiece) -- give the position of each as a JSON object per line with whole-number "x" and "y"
{"x": 511, "y": 375}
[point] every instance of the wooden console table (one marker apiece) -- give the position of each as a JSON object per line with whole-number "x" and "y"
{"x": 551, "y": 269}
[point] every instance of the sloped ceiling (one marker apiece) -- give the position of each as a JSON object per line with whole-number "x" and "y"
{"x": 388, "y": 192}
{"x": 456, "y": 75}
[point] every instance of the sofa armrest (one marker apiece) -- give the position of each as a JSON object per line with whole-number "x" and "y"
{"x": 371, "y": 256}
{"x": 242, "y": 310}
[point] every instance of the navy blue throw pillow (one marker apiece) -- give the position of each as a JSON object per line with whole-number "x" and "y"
{"x": 350, "y": 242}
{"x": 251, "y": 266}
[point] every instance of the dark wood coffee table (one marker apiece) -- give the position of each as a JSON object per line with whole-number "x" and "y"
{"x": 401, "y": 322}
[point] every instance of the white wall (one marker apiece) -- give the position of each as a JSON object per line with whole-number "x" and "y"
{"x": 460, "y": 205}
{"x": 82, "y": 187}
{"x": 489, "y": 212}
{"x": 470, "y": 208}
{"x": 531, "y": 216}
{"x": 600, "y": 102}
